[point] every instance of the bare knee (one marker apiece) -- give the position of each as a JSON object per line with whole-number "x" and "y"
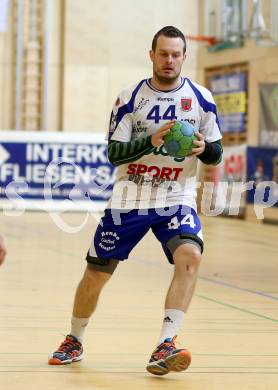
{"x": 94, "y": 277}
{"x": 187, "y": 258}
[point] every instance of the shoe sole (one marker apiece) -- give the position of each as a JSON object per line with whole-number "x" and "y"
{"x": 57, "y": 362}
{"x": 177, "y": 362}
{"x": 157, "y": 368}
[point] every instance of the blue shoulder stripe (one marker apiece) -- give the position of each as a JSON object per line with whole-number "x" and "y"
{"x": 206, "y": 106}
{"x": 128, "y": 107}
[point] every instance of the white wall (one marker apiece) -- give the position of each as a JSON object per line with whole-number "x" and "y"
{"x": 7, "y": 74}
{"x": 106, "y": 49}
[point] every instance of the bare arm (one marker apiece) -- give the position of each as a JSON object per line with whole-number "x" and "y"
{"x": 3, "y": 250}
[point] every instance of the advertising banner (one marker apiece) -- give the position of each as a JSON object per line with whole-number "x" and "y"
{"x": 229, "y": 92}
{"x": 55, "y": 170}
{"x": 228, "y": 197}
{"x": 268, "y": 115}
{"x": 262, "y": 167}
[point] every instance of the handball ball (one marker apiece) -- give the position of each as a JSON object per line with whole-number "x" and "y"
{"x": 179, "y": 141}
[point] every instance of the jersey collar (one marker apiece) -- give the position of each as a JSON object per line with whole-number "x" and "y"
{"x": 148, "y": 81}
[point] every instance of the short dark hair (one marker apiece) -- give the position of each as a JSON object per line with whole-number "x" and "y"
{"x": 171, "y": 32}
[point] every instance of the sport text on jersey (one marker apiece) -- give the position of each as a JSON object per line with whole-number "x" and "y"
{"x": 143, "y": 174}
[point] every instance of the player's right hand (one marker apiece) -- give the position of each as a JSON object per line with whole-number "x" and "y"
{"x": 2, "y": 250}
{"x": 157, "y": 138}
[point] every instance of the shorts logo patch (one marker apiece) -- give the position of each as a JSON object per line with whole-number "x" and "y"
{"x": 108, "y": 240}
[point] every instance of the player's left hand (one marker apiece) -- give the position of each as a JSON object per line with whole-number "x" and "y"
{"x": 200, "y": 144}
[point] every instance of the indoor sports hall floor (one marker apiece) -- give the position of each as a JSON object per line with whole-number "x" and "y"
{"x": 231, "y": 327}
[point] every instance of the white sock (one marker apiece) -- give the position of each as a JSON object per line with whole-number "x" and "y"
{"x": 171, "y": 324}
{"x": 78, "y": 326}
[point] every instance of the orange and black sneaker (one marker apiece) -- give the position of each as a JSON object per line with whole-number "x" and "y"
{"x": 70, "y": 350}
{"x": 167, "y": 357}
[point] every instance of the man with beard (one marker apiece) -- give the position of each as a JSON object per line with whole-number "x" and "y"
{"x": 152, "y": 191}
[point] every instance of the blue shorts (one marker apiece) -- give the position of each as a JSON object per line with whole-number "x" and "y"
{"x": 120, "y": 231}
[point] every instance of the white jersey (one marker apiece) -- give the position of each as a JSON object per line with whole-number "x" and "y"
{"x": 156, "y": 179}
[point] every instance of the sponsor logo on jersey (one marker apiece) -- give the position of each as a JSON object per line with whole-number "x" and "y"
{"x": 166, "y": 99}
{"x": 154, "y": 171}
{"x": 140, "y": 105}
{"x": 162, "y": 151}
{"x": 140, "y": 127}
{"x": 112, "y": 125}
{"x": 191, "y": 121}
{"x": 154, "y": 182}
{"x": 186, "y": 103}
